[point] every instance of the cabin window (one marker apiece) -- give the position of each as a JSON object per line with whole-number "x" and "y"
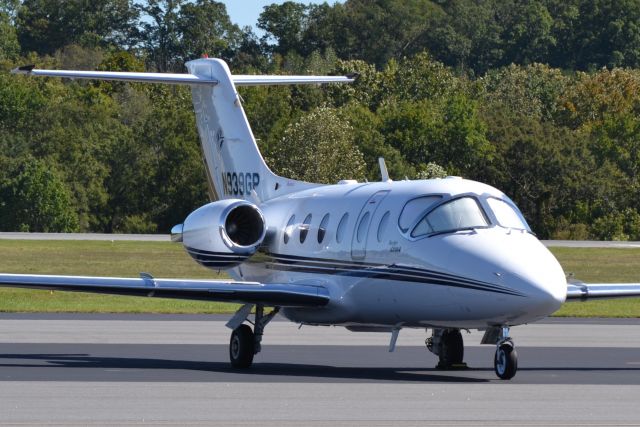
{"x": 508, "y": 215}
{"x": 322, "y": 229}
{"x": 289, "y": 228}
{"x": 304, "y": 228}
{"x": 458, "y": 214}
{"x": 361, "y": 234}
{"x": 383, "y": 225}
{"x": 414, "y": 209}
{"x": 341, "y": 227}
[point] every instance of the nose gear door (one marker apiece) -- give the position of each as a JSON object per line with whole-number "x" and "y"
{"x": 363, "y": 224}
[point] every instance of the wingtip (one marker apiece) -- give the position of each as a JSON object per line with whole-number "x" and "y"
{"x": 353, "y": 76}
{"x": 25, "y": 69}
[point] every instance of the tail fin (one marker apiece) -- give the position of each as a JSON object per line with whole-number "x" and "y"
{"x": 234, "y": 165}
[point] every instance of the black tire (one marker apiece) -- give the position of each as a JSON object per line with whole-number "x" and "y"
{"x": 452, "y": 351}
{"x": 505, "y": 362}
{"x": 241, "y": 347}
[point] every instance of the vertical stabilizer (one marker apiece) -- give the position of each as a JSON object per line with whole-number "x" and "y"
{"x": 235, "y": 168}
{"x": 234, "y": 164}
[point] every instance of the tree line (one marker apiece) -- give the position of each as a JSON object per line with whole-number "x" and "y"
{"x": 539, "y": 98}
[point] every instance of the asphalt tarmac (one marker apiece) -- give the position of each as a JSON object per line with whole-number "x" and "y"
{"x": 172, "y": 370}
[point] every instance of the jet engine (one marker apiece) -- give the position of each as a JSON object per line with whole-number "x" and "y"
{"x": 222, "y": 234}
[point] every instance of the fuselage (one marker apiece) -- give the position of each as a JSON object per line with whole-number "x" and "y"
{"x": 469, "y": 264}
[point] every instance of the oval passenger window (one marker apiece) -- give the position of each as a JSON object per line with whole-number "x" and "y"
{"x": 304, "y": 228}
{"x": 341, "y": 227}
{"x": 287, "y": 230}
{"x": 383, "y": 225}
{"x": 322, "y": 229}
{"x": 362, "y": 227}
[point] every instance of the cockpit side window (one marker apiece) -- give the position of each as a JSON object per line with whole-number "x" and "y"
{"x": 508, "y": 215}
{"x": 413, "y": 209}
{"x": 458, "y": 214}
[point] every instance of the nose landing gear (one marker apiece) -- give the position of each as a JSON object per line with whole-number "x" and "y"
{"x": 505, "y": 362}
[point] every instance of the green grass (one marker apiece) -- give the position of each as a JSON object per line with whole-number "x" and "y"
{"x": 165, "y": 259}
{"x": 597, "y": 265}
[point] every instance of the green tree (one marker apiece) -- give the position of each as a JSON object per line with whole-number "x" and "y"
{"x": 527, "y": 32}
{"x": 284, "y": 24}
{"x": 205, "y": 28}
{"x": 449, "y": 133}
{"x": 594, "y": 34}
{"x": 177, "y": 31}
{"x": 534, "y": 90}
{"x": 9, "y": 46}
{"x": 162, "y": 38}
{"x": 317, "y": 148}
{"x": 34, "y": 198}
{"x": 45, "y": 26}
{"x": 367, "y": 134}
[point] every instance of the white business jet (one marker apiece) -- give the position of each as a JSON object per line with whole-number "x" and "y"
{"x": 440, "y": 254}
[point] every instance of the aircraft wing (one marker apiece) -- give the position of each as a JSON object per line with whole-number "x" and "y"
{"x": 589, "y": 291}
{"x": 271, "y": 294}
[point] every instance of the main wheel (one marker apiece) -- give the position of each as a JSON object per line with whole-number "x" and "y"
{"x": 505, "y": 362}
{"x": 452, "y": 351}
{"x": 241, "y": 347}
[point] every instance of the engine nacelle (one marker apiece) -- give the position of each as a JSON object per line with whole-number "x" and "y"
{"x": 223, "y": 234}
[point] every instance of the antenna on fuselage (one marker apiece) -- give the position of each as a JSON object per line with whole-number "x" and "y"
{"x": 383, "y": 170}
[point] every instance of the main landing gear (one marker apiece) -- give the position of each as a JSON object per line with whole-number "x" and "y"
{"x": 447, "y": 344}
{"x": 245, "y": 342}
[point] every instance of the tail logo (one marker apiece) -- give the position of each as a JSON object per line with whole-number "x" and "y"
{"x": 220, "y": 138}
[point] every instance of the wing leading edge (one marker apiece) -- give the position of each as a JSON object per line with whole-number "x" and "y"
{"x": 273, "y": 294}
{"x": 589, "y": 291}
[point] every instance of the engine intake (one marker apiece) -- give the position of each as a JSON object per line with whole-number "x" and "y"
{"x": 223, "y": 234}
{"x": 244, "y": 225}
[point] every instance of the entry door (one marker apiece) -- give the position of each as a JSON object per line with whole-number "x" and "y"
{"x": 364, "y": 224}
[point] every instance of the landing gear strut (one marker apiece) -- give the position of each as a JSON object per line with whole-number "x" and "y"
{"x": 447, "y": 344}
{"x": 245, "y": 343}
{"x": 505, "y": 362}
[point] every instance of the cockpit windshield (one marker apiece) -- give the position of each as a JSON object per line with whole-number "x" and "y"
{"x": 458, "y": 214}
{"x": 507, "y": 215}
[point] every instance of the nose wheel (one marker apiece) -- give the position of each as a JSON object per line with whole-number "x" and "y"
{"x": 505, "y": 362}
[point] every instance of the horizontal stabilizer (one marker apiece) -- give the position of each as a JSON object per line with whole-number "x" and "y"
{"x": 119, "y": 76}
{"x": 273, "y": 294}
{"x": 245, "y": 80}
{"x": 186, "y": 79}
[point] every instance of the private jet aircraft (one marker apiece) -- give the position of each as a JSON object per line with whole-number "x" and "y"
{"x": 440, "y": 254}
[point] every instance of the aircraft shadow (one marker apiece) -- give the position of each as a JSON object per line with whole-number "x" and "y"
{"x": 283, "y": 371}
{"x": 138, "y": 369}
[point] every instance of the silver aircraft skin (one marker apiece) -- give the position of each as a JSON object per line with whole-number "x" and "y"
{"x": 441, "y": 254}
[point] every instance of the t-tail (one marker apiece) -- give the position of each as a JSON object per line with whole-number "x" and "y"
{"x": 235, "y": 168}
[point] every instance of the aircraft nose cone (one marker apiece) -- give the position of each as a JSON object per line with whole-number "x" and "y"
{"x": 523, "y": 264}
{"x": 539, "y": 276}
{"x": 546, "y": 289}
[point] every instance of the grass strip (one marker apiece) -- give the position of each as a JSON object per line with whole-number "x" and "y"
{"x": 167, "y": 260}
